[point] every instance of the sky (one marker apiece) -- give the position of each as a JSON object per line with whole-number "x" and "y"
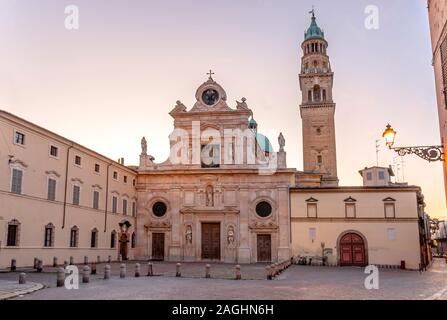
{"x": 116, "y": 78}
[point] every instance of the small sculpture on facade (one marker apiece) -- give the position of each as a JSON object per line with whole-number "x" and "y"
{"x": 188, "y": 235}
{"x": 143, "y": 146}
{"x": 230, "y": 236}
{"x": 281, "y": 142}
{"x": 209, "y": 196}
{"x": 242, "y": 105}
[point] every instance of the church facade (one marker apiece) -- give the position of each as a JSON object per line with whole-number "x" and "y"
{"x": 222, "y": 195}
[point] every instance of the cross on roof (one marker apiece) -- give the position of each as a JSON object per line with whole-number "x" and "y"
{"x": 211, "y": 73}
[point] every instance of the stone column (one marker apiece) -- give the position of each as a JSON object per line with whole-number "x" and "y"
{"x": 175, "y": 252}
{"x": 284, "y": 247}
{"x": 244, "y": 255}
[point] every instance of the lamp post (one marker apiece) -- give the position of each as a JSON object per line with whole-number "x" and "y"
{"x": 429, "y": 153}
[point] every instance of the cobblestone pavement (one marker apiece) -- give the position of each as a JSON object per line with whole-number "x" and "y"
{"x": 12, "y": 289}
{"x": 297, "y": 282}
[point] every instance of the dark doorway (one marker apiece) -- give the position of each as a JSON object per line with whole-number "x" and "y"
{"x": 211, "y": 241}
{"x": 264, "y": 247}
{"x": 158, "y": 246}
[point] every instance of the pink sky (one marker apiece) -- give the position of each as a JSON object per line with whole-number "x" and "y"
{"x": 116, "y": 78}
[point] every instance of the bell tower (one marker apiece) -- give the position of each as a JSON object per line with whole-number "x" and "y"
{"x": 317, "y": 107}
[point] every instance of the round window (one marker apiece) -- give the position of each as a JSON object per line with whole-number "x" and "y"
{"x": 263, "y": 209}
{"x": 159, "y": 209}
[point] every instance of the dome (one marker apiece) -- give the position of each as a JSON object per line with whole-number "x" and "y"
{"x": 314, "y": 31}
{"x": 264, "y": 143}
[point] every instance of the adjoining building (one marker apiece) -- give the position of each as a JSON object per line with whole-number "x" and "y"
{"x": 223, "y": 195}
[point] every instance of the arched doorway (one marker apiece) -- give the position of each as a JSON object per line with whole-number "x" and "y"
{"x": 352, "y": 250}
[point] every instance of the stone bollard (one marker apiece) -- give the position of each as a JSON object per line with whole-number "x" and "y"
{"x": 71, "y": 261}
{"x": 98, "y": 259}
{"x": 123, "y": 271}
{"x": 93, "y": 268}
{"x": 60, "y": 277}
{"x": 13, "y": 265}
{"x": 65, "y": 264}
{"x": 137, "y": 270}
{"x": 238, "y": 272}
{"x": 85, "y": 260}
{"x": 54, "y": 262}
{"x": 86, "y": 274}
{"x": 35, "y": 263}
{"x": 268, "y": 270}
{"x": 107, "y": 272}
{"x": 39, "y": 266}
{"x": 120, "y": 258}
{"x": 208, "y": 271}
{"x": 109, "y": 259}
{"x": 150, "y": 271}
{"x": 22, "y": 278}
{"x": 178, "y": 272}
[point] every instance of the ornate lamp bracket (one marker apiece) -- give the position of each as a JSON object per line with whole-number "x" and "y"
{"x": 429, "y": 153}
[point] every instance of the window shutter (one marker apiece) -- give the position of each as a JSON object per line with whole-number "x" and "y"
{"x": 16, "y": 185}
{"x": 51, "y": 189}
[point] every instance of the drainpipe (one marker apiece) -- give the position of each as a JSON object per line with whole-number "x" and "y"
{"x": 107, "y": 198}
{"x": 66, "y": 186}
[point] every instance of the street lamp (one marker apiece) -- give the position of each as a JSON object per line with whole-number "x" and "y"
{"x": 429, "y": 153}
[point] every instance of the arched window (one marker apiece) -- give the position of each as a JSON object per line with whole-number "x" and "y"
{"x": 49, "y": 235}
{"x": 132, "y": 241}
{"x": 324, "y": 94}
{"x": 94, "y": 238}
{"x": 13, "y": 235}
{"x": 319, "y": 159}
{"x": 113, "y": 239}
{"x": 74, "y": 236}
{"x": 317, "y": 93}
{"x": 309, "y": 95}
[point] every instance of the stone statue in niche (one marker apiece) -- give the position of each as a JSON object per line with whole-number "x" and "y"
{"x": 188, "y": 235}
{"x": 143, "y": 146}
{"x": 230, "y": 236}
{"x": 209, "y": 196}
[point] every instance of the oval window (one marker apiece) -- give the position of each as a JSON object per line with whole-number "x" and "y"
{"x": 159, "y": 209}
{"x": 263, "y": 209}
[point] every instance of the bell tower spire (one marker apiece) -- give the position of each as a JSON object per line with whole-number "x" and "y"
{"x": 317, "y": 107}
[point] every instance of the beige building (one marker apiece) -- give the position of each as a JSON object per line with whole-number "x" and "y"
{"x": 223, "y": 195}
{"x": 60, "y": 199}
{"x": 437, "y": 14}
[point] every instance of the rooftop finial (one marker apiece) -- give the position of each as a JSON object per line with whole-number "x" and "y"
{"x": 211, "y": 73}
{"x": 313, "y": 12}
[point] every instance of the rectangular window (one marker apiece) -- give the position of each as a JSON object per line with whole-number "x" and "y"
{"x": 48, "y": 237}
{"x": 78, "y": 160}
{"x": 381, "y": 175}
{"x": 124, "y": 206}
{"x": 114, "y": 204}
{"x": 134, "y": 209}
{"x": 97, "y": 168}
{"x": 350, "y": 210}
{"x": 54, "y": 151}
{"x": 73, "y": 238}
{"x": 319, "y": 159}
{"x": 133, "y": 182}
{"x": 96, "y": 200}
{"x": 19, "y": 138}
{"x": 390, "y": 210}
{"x": 443, "y": 49}
{"x": 76, "y": 195}
{"x": 312, "y": 234}
{"x": 369, "y": 176}
{"x": 311, "y": 210}
{"x": 125, "y": 179}
{"x": 16, "y": 182}
{"x": 12, "y": 236}
{"x": 391, "y": 234}
{"x": 51, "y": 189}
{"x": 115, "y": 175}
